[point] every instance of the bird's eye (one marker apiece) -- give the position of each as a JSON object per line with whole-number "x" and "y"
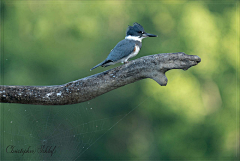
{"x": 140, "y": 32}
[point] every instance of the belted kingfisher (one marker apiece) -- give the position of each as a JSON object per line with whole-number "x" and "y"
{"x": 128, "y": 47}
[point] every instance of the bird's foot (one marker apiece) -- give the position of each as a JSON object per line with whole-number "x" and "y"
{"x": 125, "y": 62}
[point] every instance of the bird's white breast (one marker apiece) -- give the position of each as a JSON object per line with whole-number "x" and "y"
{"x": 134, "y": 53}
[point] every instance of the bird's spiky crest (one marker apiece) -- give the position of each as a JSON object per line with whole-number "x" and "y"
{"x": 136, "y": 26}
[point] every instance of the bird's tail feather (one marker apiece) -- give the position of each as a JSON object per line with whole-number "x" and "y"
{"x": 98, "y": 65}
{"x": 105, "y": 63}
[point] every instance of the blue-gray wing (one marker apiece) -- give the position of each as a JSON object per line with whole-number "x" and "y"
{"x": 121, "y": 50}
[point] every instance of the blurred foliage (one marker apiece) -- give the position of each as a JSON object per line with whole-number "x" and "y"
{"x": 196, "y": 116}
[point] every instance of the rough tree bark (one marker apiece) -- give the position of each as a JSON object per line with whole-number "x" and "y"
{"x": 152, "y": 66}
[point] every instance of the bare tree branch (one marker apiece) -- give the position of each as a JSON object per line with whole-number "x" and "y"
{"x": 152, "y": 66}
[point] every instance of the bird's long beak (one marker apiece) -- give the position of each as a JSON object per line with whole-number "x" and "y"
{"x": 148, "y": 35}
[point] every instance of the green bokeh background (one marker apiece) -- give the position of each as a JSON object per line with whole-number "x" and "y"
{"x": 196, "y": 116}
